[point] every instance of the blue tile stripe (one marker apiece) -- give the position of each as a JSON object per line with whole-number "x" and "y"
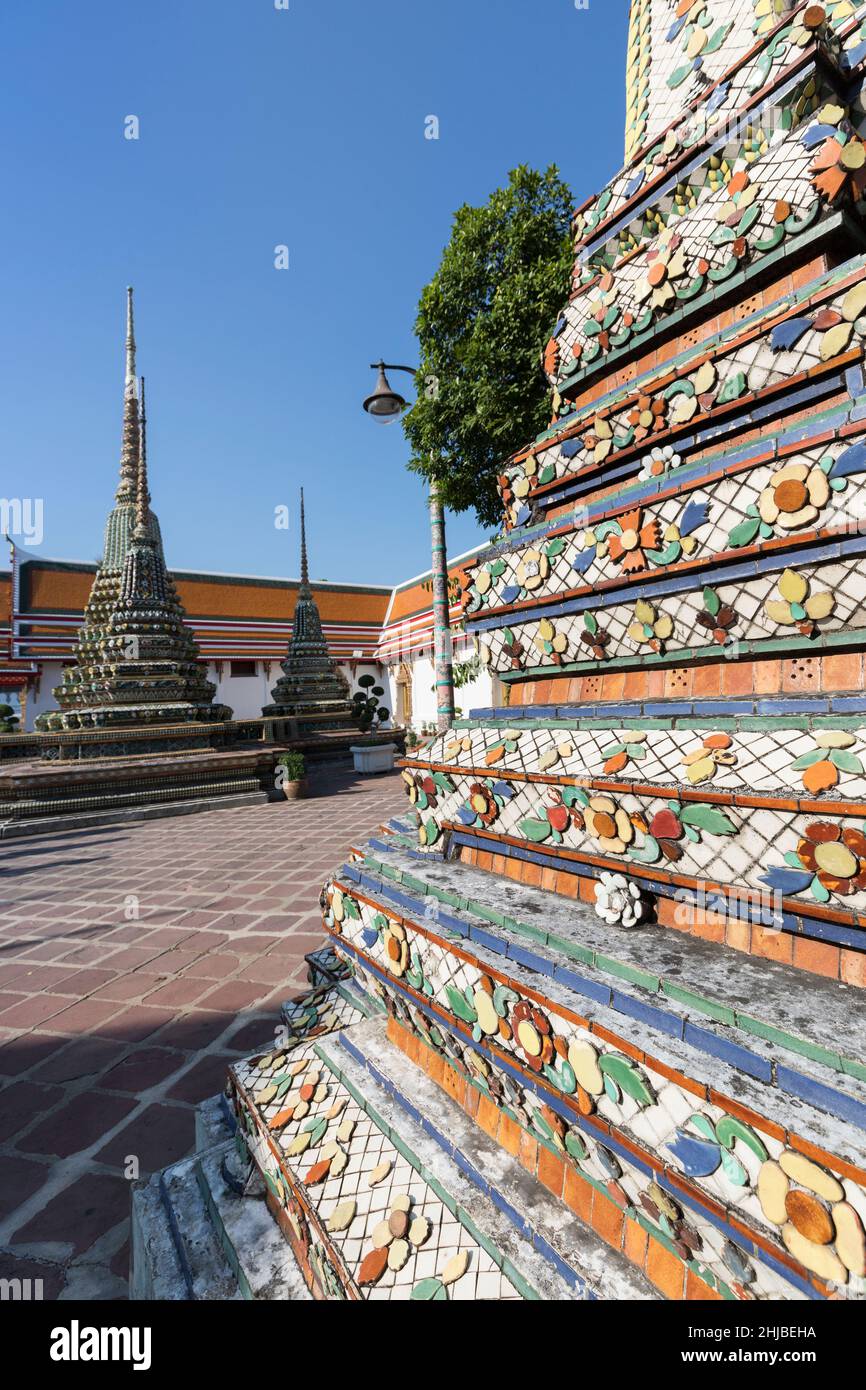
{"x": 851, "y": 547}
{"x": 621, "y": 1000}
{"x": 727, "y": 336}
{"x": 795, "y": 705}
{"x": 707, "y": 470}
{"x": 574, "y": 488}
{"x": 812, "y": 927}
{"x": 583, "y": 1123}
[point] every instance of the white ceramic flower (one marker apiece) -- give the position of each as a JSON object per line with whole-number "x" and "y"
{"x": 660, "y": 460}
{"x": 619, "y": 902}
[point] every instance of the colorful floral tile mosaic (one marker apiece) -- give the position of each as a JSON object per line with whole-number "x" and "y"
{"x": 561, "y": 1076}
{"x": 696, "y": 508}
{"x": 376, "y": 1227}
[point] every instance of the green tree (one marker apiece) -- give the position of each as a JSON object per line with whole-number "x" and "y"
{"x": 482, "y": 325}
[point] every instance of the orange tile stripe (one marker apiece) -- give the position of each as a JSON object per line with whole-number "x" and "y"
{"x": 557, "y": 852}
{"x": 695, "y": 1087}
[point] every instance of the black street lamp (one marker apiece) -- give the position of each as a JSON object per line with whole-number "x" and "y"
{"x": 387, "y": 405}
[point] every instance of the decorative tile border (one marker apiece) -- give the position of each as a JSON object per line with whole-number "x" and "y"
{"x": 756, "y": 605}
{"x": 626, "y": 1113}
{"x": 753, "y": 759}
{"x": 734, "y": 220}
{"x": 653, "y": 103}
{"x": 353, "y": 1192}
{"x": 781, "y": 347}
{"x": 693, "y": 516}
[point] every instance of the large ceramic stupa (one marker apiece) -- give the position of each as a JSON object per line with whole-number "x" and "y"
{"x": 136, "y": 732}
{"x": 136, "y": 662}
{"x": 594, "y": 1022}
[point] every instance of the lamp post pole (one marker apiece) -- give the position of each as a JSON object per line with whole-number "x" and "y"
{"x": 386, "y": 405}
{"x": 442, "y": 652}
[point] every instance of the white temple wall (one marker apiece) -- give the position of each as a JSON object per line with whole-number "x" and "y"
{"x": 246, "y": 695}
{"x": 42, "y": 698}
{"x": 481, "y": 692}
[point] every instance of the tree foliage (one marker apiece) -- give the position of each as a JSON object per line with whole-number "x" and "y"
{"x": 482, "y": 324}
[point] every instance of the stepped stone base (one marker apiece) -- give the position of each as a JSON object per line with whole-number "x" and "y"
{"x": 682, "y": 1101}
{"x": 328, "y": 743}
{"x": 46, "y": 797}
{"x": 687, "y": 1105}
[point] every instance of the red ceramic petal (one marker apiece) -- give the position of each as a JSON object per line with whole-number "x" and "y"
{"x": 820, "y": 832}
{"x": 665, "y": 825}
{"x": 856, "y": 841}
{"x": 635, "y": 560}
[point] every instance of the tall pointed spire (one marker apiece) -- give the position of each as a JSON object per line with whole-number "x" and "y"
{"x": 305, "y": 576}
{"x": 130, "y": 342}
{"x": 142, "y": 493}
{"x": 130, "y": 446}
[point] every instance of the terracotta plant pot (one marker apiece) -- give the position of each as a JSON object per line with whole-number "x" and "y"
{"x": 292, "y": 791}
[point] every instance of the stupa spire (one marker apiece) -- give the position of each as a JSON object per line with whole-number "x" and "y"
{"x": 142, "y": 495}
{"x": 131, "y": 444}
{"x": 311, "y": 683}
{"x": 130, "y": 341}
{"x": 305, "y": 574}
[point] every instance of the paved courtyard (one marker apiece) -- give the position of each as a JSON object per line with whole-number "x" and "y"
{"x": 135, "y": 964}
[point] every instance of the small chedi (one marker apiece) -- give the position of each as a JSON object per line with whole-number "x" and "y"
{"x": 311, "y": 687}
{"x": 136, "y": 664}
{"x": 593, "y": 1021}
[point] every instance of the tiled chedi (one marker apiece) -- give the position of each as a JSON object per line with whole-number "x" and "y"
{"x": 311, "y": 685}
{"x": 136, "y": 732}
{"x": 681, "y": 570}
{"x": 598, "y": 1026}
{"x": 136, "y": 664}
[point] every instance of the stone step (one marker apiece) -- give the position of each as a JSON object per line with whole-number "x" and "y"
{"x": 458, "y": 1243}
{"x": 176, "y": 1252}
{"x": 260, "y": 1260}
{"x": 195, "y": 1238}
{"x": 156, "y": 1273}
{"x": 325, "y": 1009}
{"x": 688, "y": 1099}
{"x": 798, "y": 1024}
{"x": 371, "y": 1063}
{"x": 120, "y": 815}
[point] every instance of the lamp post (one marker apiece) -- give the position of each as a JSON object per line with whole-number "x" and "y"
{"x": 387, "y": 405}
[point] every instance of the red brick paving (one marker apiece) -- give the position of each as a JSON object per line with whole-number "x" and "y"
{"x": 135, "y": 963}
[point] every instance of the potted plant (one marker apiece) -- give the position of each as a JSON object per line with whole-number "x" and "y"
{"x": 366, "y": 710}
{"x": 8, "y": 720}
{"x": 291, "y": 775}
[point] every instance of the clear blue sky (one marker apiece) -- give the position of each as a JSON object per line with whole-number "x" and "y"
{"x": 260, "y": 127}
